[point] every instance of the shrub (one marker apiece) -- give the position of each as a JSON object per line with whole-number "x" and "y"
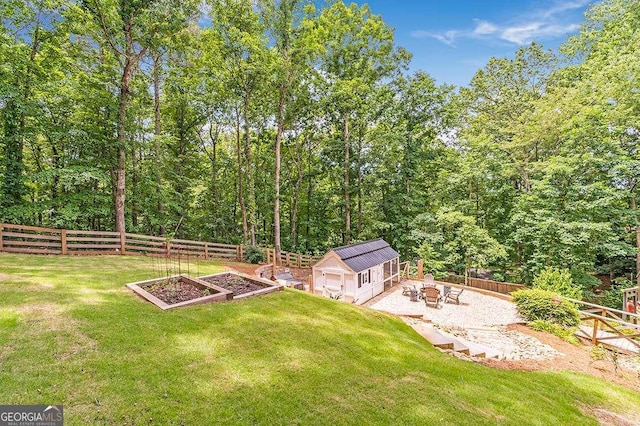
{"x": 566, "y": 334}
{"x": 536, "y": 304}
{"x": 557, "y": 281}
{"x": 254, "y": 254}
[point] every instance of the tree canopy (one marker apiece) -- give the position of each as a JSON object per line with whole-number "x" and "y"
{"x": 282, "y": 123}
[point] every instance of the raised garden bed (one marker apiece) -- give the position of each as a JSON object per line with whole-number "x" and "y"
{"x": 241, "y": 285}
{"x": 179, "y": 290}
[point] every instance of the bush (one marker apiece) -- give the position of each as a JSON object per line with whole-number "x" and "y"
{"x": 536, "y": 304}
{"x": 566, "y": 334}
{"x": 254, "y": 254}
{"x": 557, "y": 281}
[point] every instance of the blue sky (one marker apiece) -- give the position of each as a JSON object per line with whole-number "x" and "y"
{"x": 452, "y": 39}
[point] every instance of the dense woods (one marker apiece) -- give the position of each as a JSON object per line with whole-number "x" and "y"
{"x": 283, "y": 124}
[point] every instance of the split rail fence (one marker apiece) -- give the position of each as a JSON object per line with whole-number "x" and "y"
{"x": 37, "y": 240}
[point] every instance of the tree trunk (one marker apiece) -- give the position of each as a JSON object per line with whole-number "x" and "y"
{"x": 347, "y": 189}
{"x": 251, "y": 198}
{"x": 134, "y": 188}
{"x": 360, "y": 138}
{"x": 123, "y": 100}
{"x": 157, "y": 132}
{"x": 214, "y": 166}
{"x": 294, "y": 208}
{"x": 276, "y": 203}
{"x": 243, "y": 207}
{"x": 634, "y": 207}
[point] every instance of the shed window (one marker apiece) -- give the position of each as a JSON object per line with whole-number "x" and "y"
{"x": 364, "y": 278}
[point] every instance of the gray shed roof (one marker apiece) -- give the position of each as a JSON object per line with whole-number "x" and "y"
{"x": 365, "y": 255}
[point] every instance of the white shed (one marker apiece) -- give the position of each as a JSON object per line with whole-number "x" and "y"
{"x": 357, "y": 272}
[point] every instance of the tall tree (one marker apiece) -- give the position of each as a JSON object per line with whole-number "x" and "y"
{"x": 127, "y": 28}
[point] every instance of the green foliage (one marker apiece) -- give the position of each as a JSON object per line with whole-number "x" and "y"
{"x": 454, "y": 240}
{"x": 613, "y": 297}
{"x": 537, "y": 304}
{"x": 254, "y": 254}
{"x": 534, "y": 164}
{"x": 432, "y": 262}
{"x": 565, "y": 333}
{"x": 557, "y": 281}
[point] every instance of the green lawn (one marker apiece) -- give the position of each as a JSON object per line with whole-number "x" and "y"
{"x": 71, "y": 333}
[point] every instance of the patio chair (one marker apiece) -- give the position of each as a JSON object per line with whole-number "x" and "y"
{"x": 429, "y": 281}
{"x": 453, "y": 295}
{"x": 413, "y": 295}
{"x": 406, "y": 289}
{"x": 446, "y": 290}
{"x": 432, "y": 296}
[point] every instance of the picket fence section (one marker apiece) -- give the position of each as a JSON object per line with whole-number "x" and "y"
{"x": 37, "y": 240}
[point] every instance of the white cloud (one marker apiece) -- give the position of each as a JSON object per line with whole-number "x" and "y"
{"x": 538, "y": 25}
{"x": 448, "y": 37}
{"x": 484, "y": 28}
{"x": 564, "y": 6}
{"x": 523, "y": 34}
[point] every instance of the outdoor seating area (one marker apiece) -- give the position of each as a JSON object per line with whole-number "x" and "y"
{"x": 430, "y": 293}
{"x": 459, "y": 307}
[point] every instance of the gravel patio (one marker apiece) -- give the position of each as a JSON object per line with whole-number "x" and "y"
{"x": 475, "y": 309}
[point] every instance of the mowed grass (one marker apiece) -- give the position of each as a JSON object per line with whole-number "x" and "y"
{"x": 71, "y": 333}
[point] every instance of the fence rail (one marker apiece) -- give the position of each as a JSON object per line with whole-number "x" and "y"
{"x": 291, "y": 259}
{"x": 618, "y": 330}
{"x": 495, "y": 286}
{"x": 37, "y": 240}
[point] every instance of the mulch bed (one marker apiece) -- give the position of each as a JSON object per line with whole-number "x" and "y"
{"x": 238, "y": 285}
{"x": 175, "y": 291}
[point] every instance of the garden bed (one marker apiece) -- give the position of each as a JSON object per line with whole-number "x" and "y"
{"x": 241, "y": 285}
{"x": 179, "y": 290}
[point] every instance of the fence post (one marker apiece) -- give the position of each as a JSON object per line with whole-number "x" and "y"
{"x": 311, "y": 289}
{"x": 123, "y": 242}
{"x": 206, "y": 251}
{"x": 63, "y": 241}
{"x": 594, "y": 337}
{"x": 288, "y": 259}
{"x": 420, "y": 269}
{"x": 1, "y": 244}
{"x": 240, "y": 254}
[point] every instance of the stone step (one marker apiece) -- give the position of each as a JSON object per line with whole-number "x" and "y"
{"x": 433, "y": 336}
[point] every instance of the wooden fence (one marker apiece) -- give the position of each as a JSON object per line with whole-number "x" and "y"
{"x": 291, "y": 259}
{"x": 495, "y": 286}
{"x": 37, "y": 240}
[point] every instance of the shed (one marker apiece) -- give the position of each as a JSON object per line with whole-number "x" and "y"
{"x": 357, "y": 272}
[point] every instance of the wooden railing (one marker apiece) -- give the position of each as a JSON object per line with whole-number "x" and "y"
{"x": 37, "y": 240}
{"x": 495, "y": 286}
{"x": 618, "y": 330}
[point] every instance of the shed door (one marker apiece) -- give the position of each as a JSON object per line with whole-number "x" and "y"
{"x": 333, "y": 281}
